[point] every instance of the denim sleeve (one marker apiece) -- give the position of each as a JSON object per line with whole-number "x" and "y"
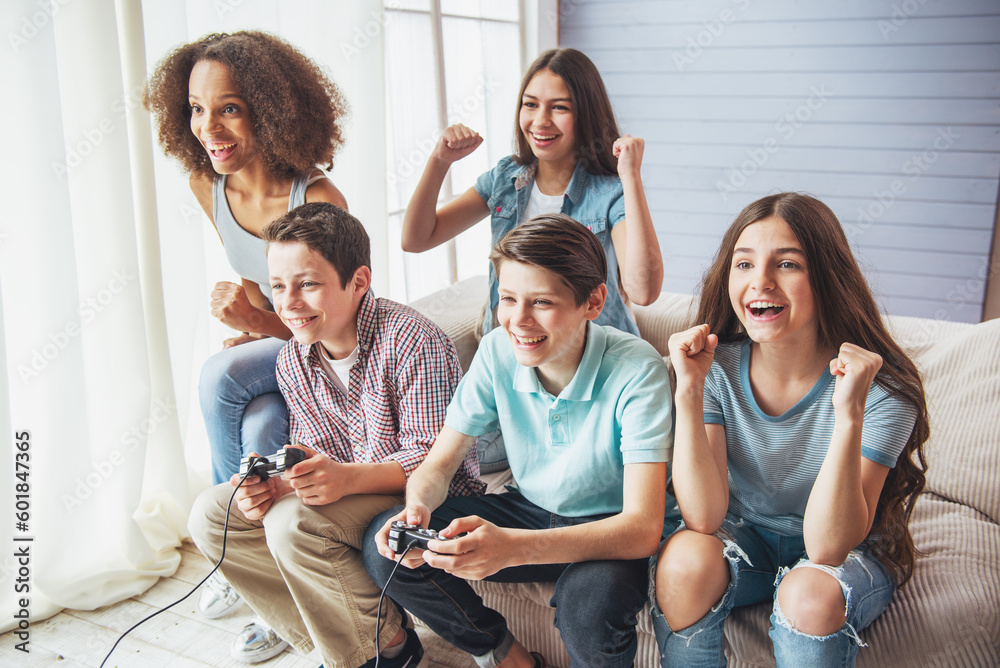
{"x": 616, "y": 213}
{"x": 484, "y": 184}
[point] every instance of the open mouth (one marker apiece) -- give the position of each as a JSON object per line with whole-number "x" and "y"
{"x": 543, "y": 138}
{"x": 765, "y": 309}
{"x": 529, "y": 340}
{"x": 299, "y": 322}
{"x": 221, "y": 151}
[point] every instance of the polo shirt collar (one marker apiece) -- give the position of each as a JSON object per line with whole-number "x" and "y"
{"x": 581, "y": 387}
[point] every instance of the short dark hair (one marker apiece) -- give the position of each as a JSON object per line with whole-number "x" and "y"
{"x": 560, "y": 244}
{"x": 327, "y": 229}
{"x": 593, "y": 117}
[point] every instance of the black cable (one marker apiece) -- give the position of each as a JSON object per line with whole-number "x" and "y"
{"x": 378, "y": 612}
{"x": 250, "y": 469}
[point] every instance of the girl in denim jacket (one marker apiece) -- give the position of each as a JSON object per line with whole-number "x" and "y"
{"x": 798, "y": 447}
{"x": 569, "y": 159}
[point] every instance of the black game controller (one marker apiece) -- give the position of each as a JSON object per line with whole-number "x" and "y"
{"x": 276, "y": 464}
{"x": 403, "y": 536}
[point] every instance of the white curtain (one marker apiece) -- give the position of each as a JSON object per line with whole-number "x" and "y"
{"x": 105, "y": 266}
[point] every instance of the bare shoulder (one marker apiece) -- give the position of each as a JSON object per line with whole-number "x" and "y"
{"x": 323, "y": 190}
{"x": 201, "y": 186}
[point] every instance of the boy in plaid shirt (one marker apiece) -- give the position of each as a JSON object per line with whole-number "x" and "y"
{"x": 367, "y": 382}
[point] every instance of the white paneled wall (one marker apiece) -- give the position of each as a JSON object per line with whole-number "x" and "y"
{"x": 887, "y": 110}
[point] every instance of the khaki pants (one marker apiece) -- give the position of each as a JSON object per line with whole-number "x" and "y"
{"x": 301, "y": 570}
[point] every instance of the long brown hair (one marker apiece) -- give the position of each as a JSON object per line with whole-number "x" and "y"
{"x": 846, "y": 312}
{"x": 593, "y": 118}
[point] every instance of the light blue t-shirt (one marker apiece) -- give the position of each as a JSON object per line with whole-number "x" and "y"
{"x": 595, "y": 201}
{"x": 568, "y": 453}
{"x": 774, "y": 460}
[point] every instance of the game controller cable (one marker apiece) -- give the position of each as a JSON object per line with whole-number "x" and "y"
{"x": 250, "y": 470}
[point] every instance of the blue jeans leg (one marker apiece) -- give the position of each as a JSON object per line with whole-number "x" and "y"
{"x": 867, "y": 588}
{"x": 596, "y": 606}
{"x": 588, "y": 594}
{"x": 242, "y": 406}
{"x": 753, "y": 560}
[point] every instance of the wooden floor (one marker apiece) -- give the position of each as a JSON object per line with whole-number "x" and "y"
{"x": 177, "y": 638}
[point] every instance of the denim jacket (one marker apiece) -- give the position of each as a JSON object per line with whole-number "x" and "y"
{"x": 598, "y": 202}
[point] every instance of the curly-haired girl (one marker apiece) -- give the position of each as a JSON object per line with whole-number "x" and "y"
{"x": 798, "y": 449}
{"x": 250, "y": 118}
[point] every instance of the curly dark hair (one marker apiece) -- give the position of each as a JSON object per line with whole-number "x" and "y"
{"x": 846, "y": 311}
{"x": 296, "y": 111}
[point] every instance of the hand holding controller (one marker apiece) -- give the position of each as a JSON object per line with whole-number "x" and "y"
{"x": 403, "y": 535}
{"x": 272, "y": 465}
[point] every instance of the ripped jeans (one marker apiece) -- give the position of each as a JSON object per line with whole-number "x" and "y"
{"x": 758, "y": 560}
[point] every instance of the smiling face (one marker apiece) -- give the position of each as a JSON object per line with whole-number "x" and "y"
{"x": 309, "y": 299}
{"x": 546, "y": 118}
{"x": 220, "y": 118}
{"x": 544, "y": 325}
{"x": 769, "y": 285}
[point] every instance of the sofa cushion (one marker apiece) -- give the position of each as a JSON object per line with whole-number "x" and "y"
{"x": 961, "y": 374}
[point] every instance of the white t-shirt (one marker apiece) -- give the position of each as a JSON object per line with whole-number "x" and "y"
{"x": 539, "y": 203}
{"x": 338, "y": 371}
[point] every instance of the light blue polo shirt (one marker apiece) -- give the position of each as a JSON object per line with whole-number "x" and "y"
{"x": 568, "y": 453}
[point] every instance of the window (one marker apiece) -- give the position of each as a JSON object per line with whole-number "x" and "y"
{"x": 446, "y": 62}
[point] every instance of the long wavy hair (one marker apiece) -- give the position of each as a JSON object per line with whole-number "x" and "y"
{"x": 846, "y": 312}
{"x": 594, "y": 121}
{"x": 296, "y": 111}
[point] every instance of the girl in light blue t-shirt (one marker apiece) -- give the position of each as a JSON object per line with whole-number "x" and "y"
{"x": 569, "y": 158}
{"x": 782, "y": 493}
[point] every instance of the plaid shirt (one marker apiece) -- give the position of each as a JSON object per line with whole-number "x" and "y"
{"x": 400, "y": 387}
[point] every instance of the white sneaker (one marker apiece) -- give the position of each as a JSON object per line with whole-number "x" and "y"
{"x": 217, "y": 597}
{"x": 257, "y": 642}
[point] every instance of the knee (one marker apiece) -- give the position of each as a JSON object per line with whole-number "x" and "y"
{"x": 378, "y": 567}
{"x": 208, "y": 515}
{"x": 597, "y": 603}
{"x": 216, "y": 376}
{"x": 287, "y": 529}
{"x": 812, "y": 601}
{"x": 691, "y": 566}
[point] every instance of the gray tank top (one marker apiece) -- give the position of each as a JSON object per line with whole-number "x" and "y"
{"x": 247, "y": 252}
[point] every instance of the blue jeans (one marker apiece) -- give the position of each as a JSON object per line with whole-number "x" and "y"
{"x": 596, "y": 602}
{"x": 242, "y": 406}
{"x": 758, "y": 560}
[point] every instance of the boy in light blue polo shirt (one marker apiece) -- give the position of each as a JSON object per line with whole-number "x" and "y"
{"x": 585, "y": 412}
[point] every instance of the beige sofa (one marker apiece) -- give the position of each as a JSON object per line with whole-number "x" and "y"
{"x": 949, "y": 613}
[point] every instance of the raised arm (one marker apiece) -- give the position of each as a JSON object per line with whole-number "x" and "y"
{"x": 699, "y": 464}
{"x": 424, "y": 225}
{"x": 841, "y": 506}
{"x": 639, "y": 260}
